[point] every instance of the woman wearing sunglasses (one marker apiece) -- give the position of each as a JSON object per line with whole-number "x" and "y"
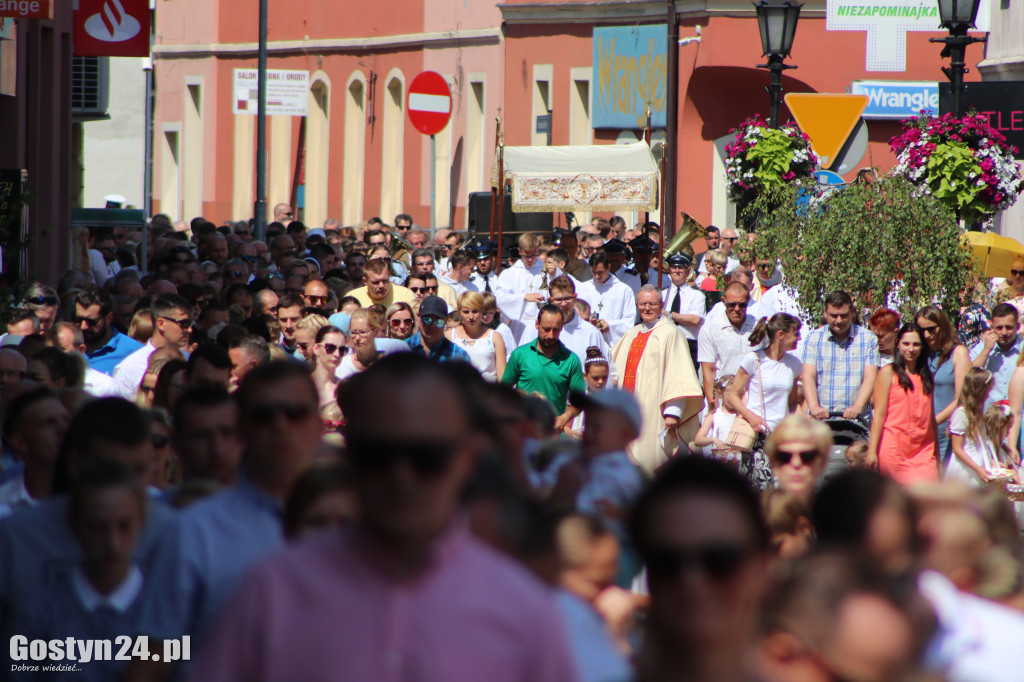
{"x": 798, "y": 450}
{"x": 327, "y": 353}
{"x": 401, "y": 321}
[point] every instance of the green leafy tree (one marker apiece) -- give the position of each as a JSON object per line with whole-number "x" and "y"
{"x": 878, "y": 241}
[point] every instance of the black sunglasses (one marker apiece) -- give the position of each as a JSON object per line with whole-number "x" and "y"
{"x": 160, "y": 441}
{"x": 331, "y": 349}
{"x": 49, "y": 300}
{"x": 90, "y": 321}
{"x": 1017, "y": 273}
{"x": 720, "y": 560}
{"x": 785, "y": 456}
{"x": 293, "y": 412}
{"x": 741, "y": 304}
{"x": 379, "y": 455}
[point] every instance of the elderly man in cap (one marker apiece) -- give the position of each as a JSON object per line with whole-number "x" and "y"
{"x": 684, "y": 304}
{"x": 486, "y": 253}
{"x": 430, "y": 341}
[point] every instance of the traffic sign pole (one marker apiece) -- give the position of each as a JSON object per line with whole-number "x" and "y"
{"x": 433, "y": 182}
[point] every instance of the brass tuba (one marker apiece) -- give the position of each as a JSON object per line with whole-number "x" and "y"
{"x": 689, "y": 231}
{"x": 400, "y": 250}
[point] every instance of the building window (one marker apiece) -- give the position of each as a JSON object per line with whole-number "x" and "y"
{"x": 580, "y": 132}
{"x": 317, "y": 153}
{"x": 244, "y": 180}
{"x": 541, "y": 104}
{"x": 393, "y": 161}
{"x": 170, "y": 176}
{"x": 475, "y": 144}
{"x": 193, "y": 157}
{"x": 355, "y": 150}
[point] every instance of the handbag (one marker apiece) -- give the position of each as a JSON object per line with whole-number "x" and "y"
{"x": 742, "y": 435}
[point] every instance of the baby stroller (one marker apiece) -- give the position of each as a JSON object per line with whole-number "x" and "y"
{"x": 844, "y": 433}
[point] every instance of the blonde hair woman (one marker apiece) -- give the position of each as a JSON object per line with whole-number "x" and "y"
{"x": 305, "y": 334}
{"x": 362, "y": 334}
{"x": 798, "y": 450}
{"x": 485, "y": 346}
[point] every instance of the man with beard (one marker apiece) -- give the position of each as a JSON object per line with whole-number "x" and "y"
{"x": 547, "y": 367}
{"x": 105, "y": 347}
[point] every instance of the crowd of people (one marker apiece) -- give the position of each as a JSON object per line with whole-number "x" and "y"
{"x": 376, "y": 453}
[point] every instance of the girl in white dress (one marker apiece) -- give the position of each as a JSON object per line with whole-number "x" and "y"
{"x": 974, "y": 457}
{"x": 485, "y": 346}
{"x": 715, "y": 428}
{"x": 596, "y": 373}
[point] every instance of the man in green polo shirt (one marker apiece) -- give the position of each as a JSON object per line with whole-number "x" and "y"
{"x": 547, "y": 367}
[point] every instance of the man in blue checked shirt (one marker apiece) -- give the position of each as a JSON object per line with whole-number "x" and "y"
{"x": 840, "y": 362}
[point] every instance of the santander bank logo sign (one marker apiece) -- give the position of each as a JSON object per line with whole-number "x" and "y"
{"x": 112, "y": 28}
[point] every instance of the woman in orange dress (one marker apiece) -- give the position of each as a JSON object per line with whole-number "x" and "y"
{"x": 903, "y": 433}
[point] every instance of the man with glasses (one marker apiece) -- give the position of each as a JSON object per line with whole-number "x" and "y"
{"x": 243, "y": 231}
{"x": 315, "y": 294}
{"x": 592, "y": 243}
{"x": 683, "y": 304}
{"x": 403, "y": 223}
{"x": 43, "y": 301}
{"x": 105, "y": 347}
{"x": 767, "y": 276}
{"x": 172, "y": 326}
{"x": 417, "y": 238}
{"x": 517, "y": 294}
{"x": 577, "y": 334}
{"x": 283, "y": 213}
{"x": 430, "y": 341}
{"x": 234, "y": 272}
{"x": 655, "y": 365}
{"x": 841, "y": 362}
{"x": 207, "y": 551}
{"x": 722, "y": 343}
{"x": 418, "y": 286}
{"x": 547, "y": 367}
{"x": 246, "y": 253}
{"x": 409, "y": 544}
{"x": 282, "y": 251}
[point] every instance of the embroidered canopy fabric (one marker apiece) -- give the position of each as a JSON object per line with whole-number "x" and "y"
{"x": 619, "y": 177}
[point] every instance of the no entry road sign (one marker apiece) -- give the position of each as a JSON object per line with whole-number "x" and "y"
{"x": 429, "y": 103}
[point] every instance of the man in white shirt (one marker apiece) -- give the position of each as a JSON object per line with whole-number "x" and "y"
{"x": 484, "y": 277}
{"x": 34, "y": 428}
{"x": 516, "y": 291}
{"x": 612, "y": 303}
{"x": 684, "y": 304}
{"x": 721, "y": 344}
{"x": 461, "y": 265}
{"x": 172, "y": 326}
{"x": 577, "y": 334}
{"x": 754, "y": 308}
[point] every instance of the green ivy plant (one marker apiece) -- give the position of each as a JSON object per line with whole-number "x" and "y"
{"x": 881, "y": 241}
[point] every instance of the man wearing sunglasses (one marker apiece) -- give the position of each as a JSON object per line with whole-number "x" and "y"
{"x": 105, "y": 347}
{"x": 202, "y": 559}
{"x": 481, "y": 613}
{"x": 172, "y": 326}
{"x": 423, "y": 264}
{"x": 699, "y": 530}
{"x": 722, "y": 343}
{"x": 430, "y": 341}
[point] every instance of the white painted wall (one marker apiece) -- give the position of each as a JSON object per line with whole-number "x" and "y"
{"x": 114, "y": 151}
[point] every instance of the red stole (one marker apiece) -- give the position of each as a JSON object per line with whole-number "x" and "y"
{"x": 636, "y": 351}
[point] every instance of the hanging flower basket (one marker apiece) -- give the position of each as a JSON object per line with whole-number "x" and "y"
{"x": 762, "y": 158}
{"x": 963, "y": 162}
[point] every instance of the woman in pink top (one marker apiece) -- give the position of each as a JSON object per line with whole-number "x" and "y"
{"x": 903, "y": 432}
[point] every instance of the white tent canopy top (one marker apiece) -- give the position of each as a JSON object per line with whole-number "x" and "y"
{"x": 620, "y": 177}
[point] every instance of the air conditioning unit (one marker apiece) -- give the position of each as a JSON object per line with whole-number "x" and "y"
{"x": 90, "y": 88}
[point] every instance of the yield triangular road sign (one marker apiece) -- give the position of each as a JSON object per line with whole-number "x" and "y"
{"x": 827, "y": 119}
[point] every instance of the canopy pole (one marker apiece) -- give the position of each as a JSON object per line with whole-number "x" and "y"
{"x": 494, "y": 190}
{"x": 501, "y": 190}
{"x": 661, "y": 232}
{"x": 647, "y": 140}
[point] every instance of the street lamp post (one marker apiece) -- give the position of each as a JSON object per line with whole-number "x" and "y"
{"x": 776, "y": 20}
{"x": 957, "y": 16}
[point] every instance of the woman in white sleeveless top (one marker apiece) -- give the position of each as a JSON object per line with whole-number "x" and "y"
{"x": 485, "y": 346}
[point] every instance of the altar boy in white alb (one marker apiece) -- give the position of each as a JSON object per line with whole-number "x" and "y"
{"x": 516, "y": 292}
{"x": 612, "y": 303}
